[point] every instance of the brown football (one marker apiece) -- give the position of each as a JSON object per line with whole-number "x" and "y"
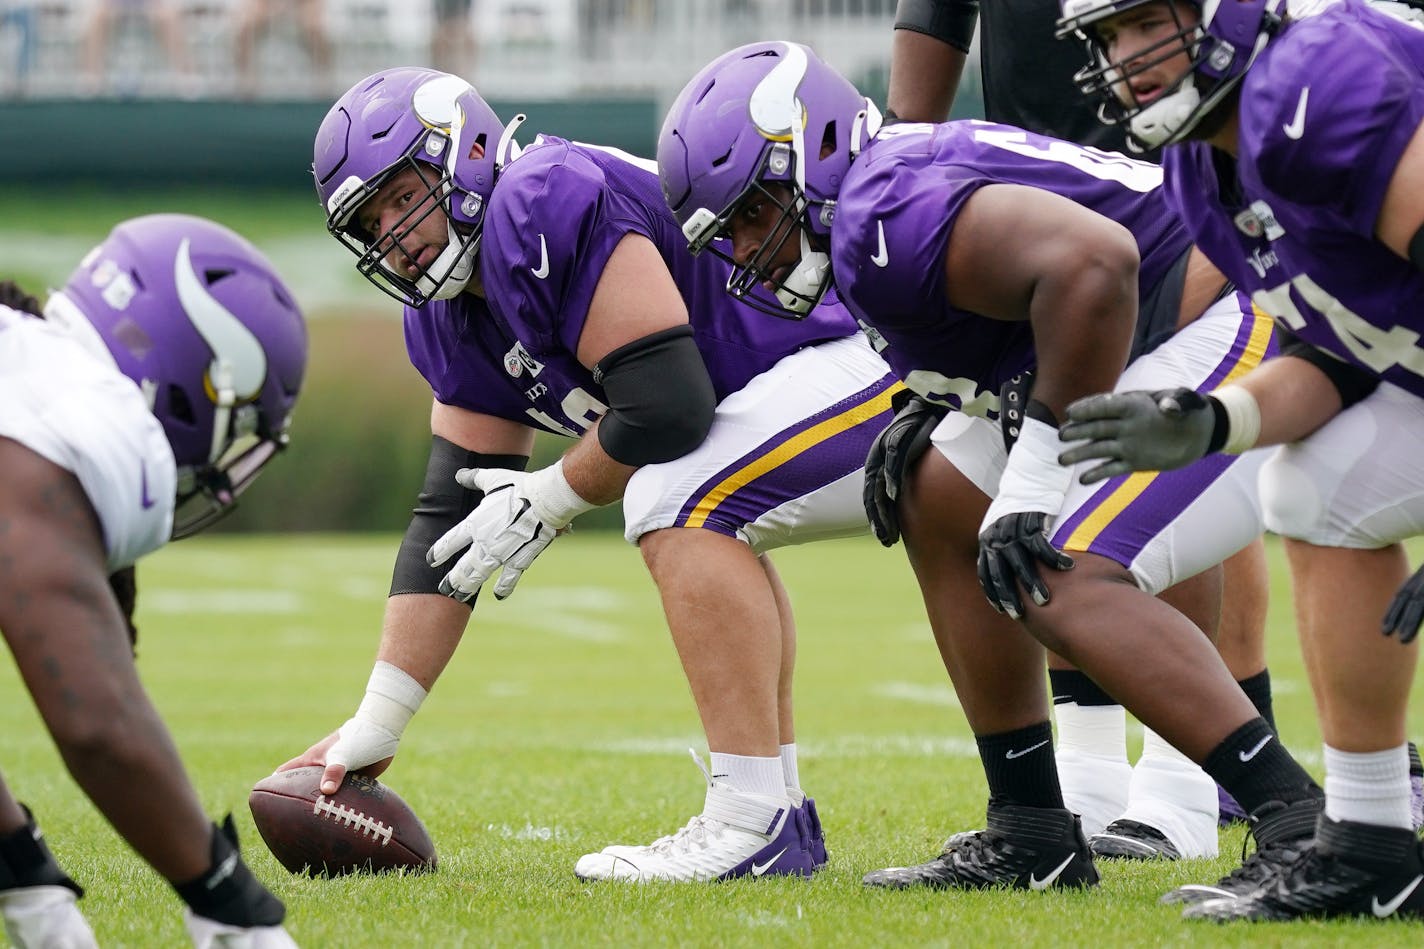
{"x": 363, "y": 827}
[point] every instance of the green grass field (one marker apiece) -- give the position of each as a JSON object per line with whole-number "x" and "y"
{"x": 561, "y": 727}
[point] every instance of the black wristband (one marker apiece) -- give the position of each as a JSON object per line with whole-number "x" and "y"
{"x": 1416, "y": 249}
{"x": 25, "y": 860}
{"x": 1220, "y": 427}
{"x": 228, "y": 892}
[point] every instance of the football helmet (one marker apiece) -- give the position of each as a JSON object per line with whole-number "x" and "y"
{"x": 1220, "y": 44}
{"x": 771, "y": 112}
{"x": 199, "y": 320}
{"x": 411, "y": 117}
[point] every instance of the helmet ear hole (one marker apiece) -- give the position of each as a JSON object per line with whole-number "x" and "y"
{"x": 179, "y": 406}
{"x": 828, "y": 139}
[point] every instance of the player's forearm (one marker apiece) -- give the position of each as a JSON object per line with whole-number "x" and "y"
{"x": 924, "y": 77}
{"x": 927, "y": 56}
{"x": 1082, "y": 329}
{"x": 593, "y": 474}
{"x": 1294, "y": 399}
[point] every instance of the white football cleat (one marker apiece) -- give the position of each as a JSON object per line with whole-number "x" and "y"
{"x": 737, "y": 834}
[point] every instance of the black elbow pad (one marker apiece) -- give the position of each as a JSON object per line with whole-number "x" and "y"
{"x": 660, "y": 398}
{"x": 443, "y": 503}
{"x": 950, "y": 21}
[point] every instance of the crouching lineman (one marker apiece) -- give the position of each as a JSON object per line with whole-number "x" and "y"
{"x": 1295, "y": 156}
{"x": 144, "y": 399}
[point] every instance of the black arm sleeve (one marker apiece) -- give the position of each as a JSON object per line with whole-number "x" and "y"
{"x": 442, "y": 505}
{"x": 660, "y": 398}
{"x": 1416, "y": 249}
{"x": 950, "y": 21}
{"x": 1353, "y": 383}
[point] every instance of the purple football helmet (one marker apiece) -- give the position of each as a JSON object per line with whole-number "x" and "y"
{"x": 1221, "y": 43}
{"x": 197, "y": 317}
{"x": 764, "y": 113}
{"x": 403, "y": 118}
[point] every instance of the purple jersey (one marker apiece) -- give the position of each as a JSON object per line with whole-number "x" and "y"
{"x": 553, "y": 220}
{"x": 898, "y": 206}
{"x": 1325, "y": 115}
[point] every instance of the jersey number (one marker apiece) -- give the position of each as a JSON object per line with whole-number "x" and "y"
{"x": 581, "y": 408}
{"x": 1376, "y": 348}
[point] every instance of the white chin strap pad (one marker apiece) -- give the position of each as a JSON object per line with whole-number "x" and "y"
{"x": 1168, "y": 116}
{"x": 803, "y": 287}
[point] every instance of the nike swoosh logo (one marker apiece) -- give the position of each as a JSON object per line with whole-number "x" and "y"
{"x": 1296, "y": 128}
{"x": 143, "y": 498}
{"x": 759, "y": 868}
{"x": 1011, "y": 755}
{"x": 1387, "y": 909}
{"x": 882, "y": 256}
{"x": 1034, "y": 883}
{"x": 1248, "y": 755}
{"x": 542, "y": 270}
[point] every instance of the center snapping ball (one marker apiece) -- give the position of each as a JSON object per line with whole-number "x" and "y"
{"x": 363, "y": 827}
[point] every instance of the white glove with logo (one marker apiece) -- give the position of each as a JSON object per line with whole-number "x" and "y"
{"x": 45, "y": 916}
{"x": 520, "y": 515}
{"x": 211, "y": 934}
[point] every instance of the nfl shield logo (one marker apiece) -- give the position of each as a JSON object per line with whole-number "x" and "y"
{"x": 512, "y": 365}
{"x": 1249, "y": 224}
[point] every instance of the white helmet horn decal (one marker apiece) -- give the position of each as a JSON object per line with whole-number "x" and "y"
{"x": 236, "y": 352}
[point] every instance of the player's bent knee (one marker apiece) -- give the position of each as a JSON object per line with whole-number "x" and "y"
{"x": 1293, "y": 501}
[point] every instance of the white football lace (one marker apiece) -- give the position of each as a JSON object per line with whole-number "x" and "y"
{"x": 351, "y": 817}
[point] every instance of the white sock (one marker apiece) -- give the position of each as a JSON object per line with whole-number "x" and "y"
{"x": 745, "y": 773}
{"x": 1092, "y": 729}
{"x": 1092, "y": 762}
{"x": 1169, "y": 792}
{"x": 1368, "y": 787}
{"x": 789, "y": 774}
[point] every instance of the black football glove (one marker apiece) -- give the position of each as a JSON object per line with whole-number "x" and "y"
{"x": 1009, "y": 551}
{"x": 1138, "y": 431}
{"x": 1406, "y": 611}
{"x": 892, "y": 455}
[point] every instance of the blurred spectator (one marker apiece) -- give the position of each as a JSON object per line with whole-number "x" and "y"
{"x": 452, "y": 41}
{"x": 255, "y": 16}
{"x": 17, "y": 25}
{"x": 160, "y": 16}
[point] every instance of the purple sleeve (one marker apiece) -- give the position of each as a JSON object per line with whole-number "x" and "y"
{"x": 1329, "y": 122}
{"x": 553, "y": 223}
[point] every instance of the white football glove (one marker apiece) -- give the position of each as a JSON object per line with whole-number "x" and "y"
{"x": 520, "y": 515}
{"x": 45, "y": 917}
{"x": 211, "y": 934}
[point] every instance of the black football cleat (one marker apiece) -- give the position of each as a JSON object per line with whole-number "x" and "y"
{"x": 1024, "y": 848}
{"x": 1126, "y": 839}
{"x": 1282, "y": 833}
{"x": 1351, "y": 870}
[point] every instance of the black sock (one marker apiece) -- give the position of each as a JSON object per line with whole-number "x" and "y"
{"x": 1255, "y": 768}
{"x": 1073, "y": 685}
{"x": 1258, "y": 690}
{"x": 1020, "y": 767}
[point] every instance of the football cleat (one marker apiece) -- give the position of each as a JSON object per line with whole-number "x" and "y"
{"x": 1351, "y": 870}
{"x": 737, "y": 834}
{"x": 1229, "y": 812}
{"x": 1025, "y": 848}
{"x": 1282, "y": 833}
{"x": 817, "y": 836}
{"x": 1126, "y": 839}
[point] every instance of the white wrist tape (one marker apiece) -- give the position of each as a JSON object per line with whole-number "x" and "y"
{"x": 392, "y": 698}
{"x": 554, "y": 500}
{"x": 1033, "y": 480}
{"x": 1243, "y": 418}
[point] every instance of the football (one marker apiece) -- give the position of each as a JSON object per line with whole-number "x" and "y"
{"x": 364, "y": 827}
